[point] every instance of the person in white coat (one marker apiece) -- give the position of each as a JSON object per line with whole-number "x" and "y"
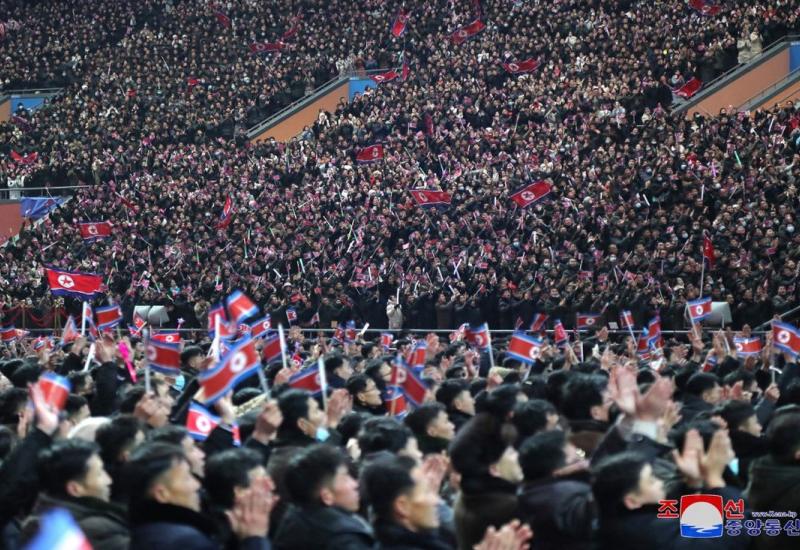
{"x": 394, "y": 312}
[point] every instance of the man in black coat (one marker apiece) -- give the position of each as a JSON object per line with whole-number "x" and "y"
{"x": 324, "y": 501}
{"x": 455, "y": 396}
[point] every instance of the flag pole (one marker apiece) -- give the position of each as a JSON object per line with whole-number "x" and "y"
{"x": 702, "y": 276}
{"x": 489, "y": 341}
{"x": 323, "y": 382}
{"x": 146, "y": 334}
{"x": 393, "y": 385}
{"x": 283, "y": 344}
{"x": 83, "y": 318}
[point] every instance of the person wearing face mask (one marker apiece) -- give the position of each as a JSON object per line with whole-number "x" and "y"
{"x": 304, "y": 421}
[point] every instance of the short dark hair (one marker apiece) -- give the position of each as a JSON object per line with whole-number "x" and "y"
{"x": 480, "y": 443}
{"x": 701, "y": 382}
{"x": 420, "y": 418}
{"x": 11, "y": 401}
{"x": 227, "y": 470}
{"x": 530, "y": 416}
{"x": 74, "y": 404}
{"x": 133, "y": 394}
{"x": 783, "y": 435}
{"x": 171, "y": 433}
{"x": 116, "y": 435}
{"x": 294, "y": 406}
{"x": 357, "y": 384}
{"x": 449, "y": 391}
{"x": 146, "y": 464}
{"x": 383, "y": 434}
{"x": 542, "y": 454}
{"x": 77, "y": 379}
{"x": 311, "y": 469}
{"x": 613, "y": 478}
{"x": 735, "y": 413}
{"x": 66, "y": 460}
{"x": 581, "y": 393}
{"x": 500, "y": 401}
{"x": 385, "y": 479}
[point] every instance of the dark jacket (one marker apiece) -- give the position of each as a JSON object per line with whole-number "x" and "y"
{"x": 323, "y": 527}
{"x": 458, "y": 418}
{"x": 169, "y": 527}
{"x": 395, "y": 537}
{"x": 587, "y": 434}
{"x": 773, "y": 486}
{"x": 103, "y": 523}
{"x": 692, "y": 406}
{"x": 432, "y": 445}
{"x": 747, "y": 448}
{"x": 561, "y": 512}
{"x": 483, "y": 501}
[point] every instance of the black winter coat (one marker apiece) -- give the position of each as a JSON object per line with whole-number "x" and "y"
{"x": 323, "y": 527}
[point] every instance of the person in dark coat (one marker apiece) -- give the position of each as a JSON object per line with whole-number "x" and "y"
{"x": 484, "y": 455}
{"x": 164, "y": 506}
{"x": 432, "y": 428}
{"x": 556, "y": 499}
{"x": 745, "y": 433}
{"x": 404, "y": 505}
{"x": 586, "y": 406}
{"x": 72, "y": 477}
{"x": 702, "y": 392}
{"x": 458, "y": 401}
{"x": 324, "y": 501}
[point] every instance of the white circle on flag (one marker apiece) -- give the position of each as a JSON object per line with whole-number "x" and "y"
{"x": 462, "y": 33}
{"x": 698, "y": 310}
{"x": 534, "y": 352}
{"x": 527, "y": 196}
{"x": 203, "y": 424}
{"x": 92, "y": 229}
{"x": 479, "y": 340}
{"x": 514, "y": 67}
{"x": 739, "y": 346}
{"x": 170, "y": 339}
{"x": 784, "y": 337}
{"x": 266, "y": 325}
{"x": 375, "y": 153}
{"x": 66, "y": 281}
{"x": 151, "y": 353}
{"x": 590, "y": 320}
{"x": 239, "y": 362}
{"x": 422, "y": 197}
{"x": 401, "y": 376}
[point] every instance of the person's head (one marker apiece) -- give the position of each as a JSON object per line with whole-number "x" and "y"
{"x": 705, "y": 386}
{"x": 159, "y": 472}
{"x": 546, "y": 454}
{"x": 624, "y": 482}
{"x": 178, "y": 435}
{"x": 387, "y": 434}
{"x": 783, "y": 435}
{"x": 430, "y": 419}
{"x": 230, "y": 473}
{"x": 364, "y": 391}
{"x": 319, "y": 476}
{"x": 397, "y": 492}
{"x": 336, "y": 365}
{"x": 73, "y": 468}
{"x": 500, "y": 401}
{"x": 76, "y": 409}
{"x": 585, "y": 398}
{"x": 301, "y": 413}
{"x": 81, "y": 382}
{"x": 740, "y": 416}
{"x": 533, "y": 416}
{"x": 160, "y": 395}
{"x": 485, "y": 446}
{"x": 118, "y": 437}
{"x": 455, "y": 396}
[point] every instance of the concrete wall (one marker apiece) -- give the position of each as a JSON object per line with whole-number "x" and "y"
{"x": 10, "y": 219}
{"x": 746, "y": 86}
{"x": 5, "y": 110}
{"x": 792, "y": 93}
{"x": 293, "y": 125}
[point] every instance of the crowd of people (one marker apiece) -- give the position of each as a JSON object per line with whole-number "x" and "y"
{"x": 154, "y": 126}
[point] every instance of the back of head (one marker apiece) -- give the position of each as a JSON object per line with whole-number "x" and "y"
{"x": 500, "y": 401}
{"x": 480, "y": 443}
{"x": 310, "y": 470}
{"x": 581, "y": 393}
{"x": 383, "y": 434}
{"x": 783, "y": 435}
{"x": 700, "y": 382}
{"x": 227, "y": 470}
{"x": 530, "y": 416}
{"x": 66, "y": 460}
{"x": 171, "y": 433}
{"x": 542, "y": 454}
{"x": 294, "y": 406}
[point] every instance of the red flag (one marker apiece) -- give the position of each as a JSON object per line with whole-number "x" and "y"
{"x": 370, "y": 153}
{"x": 404, "y": 72}
{"x": 8, "y": 335}
{"x": 404, "y": 377}
{"x": 524, "y": 348}
{"x": 395, "y": 402}
{"x": 227, "y": 214}
{"x": 239, "y": 363}
{"x": 200, "y": 422}
{"x": 223, "y": 19}
{"x": 388, "y": 76}
{"x": 399, "y": 25}
{"x": 261, "y": 327}
{"x": 163, "y": 357}
{"x": 83, "y": 286}
{"x": 428, "y": 197}
{"x": 537, "y": 324}
{"x": 55, "y": 389}
{"x": 531, "y": 193}
{"x": 171, "y": 337}
{"x": 699, "y": 309}
{"x": 527, "y": 66}
{"x": 108, "y": 317}
{"x": 307, "y": 379}
{"x": 240, "y": 307}
{"x": 465, "y": 33}
{"x": 30, "y": 158}
{"x": 91, "y": 231}
{"x": 747, "y": 346}
{"x": 586, "y": 321}
{"x": 626, "y": 319}
{"x": 272, "y": 349}
{"x": 559, "y": 334}
{"x": 70, "y": 332}
{"x": 708, "y": 251}
{"x": 786, "y": 337}
{"x": 266, "y": 47}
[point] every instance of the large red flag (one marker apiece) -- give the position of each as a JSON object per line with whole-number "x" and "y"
{"x": 517, "y": 67}
{"x": 465, "y": 33}
{"x": 531, "y": 193}
{"x": 83, "y": 286}
{"x": 399, "y": 25}
{"x": 708, "y": 251}
{"x": 91, "y": 231}
{"x": 370, "y": 153}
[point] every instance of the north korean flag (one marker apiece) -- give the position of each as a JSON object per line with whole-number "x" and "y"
{"x": 92, "y": 231}
{"x": 291, "y": 315}
{"x": 466, "y": 32}
{"x": 138, "y": 324}
{"x": 654, "y": 333}
{"x": 338, "y": 335}
{"x": 266, "y": 47}
{"x": 531, "y": 193}
{"x": 370, "y": 153}
{"x": 708, "y": 251}
{"x": 223, "y": 19}
{"x": 30, "y": 158}
{"x": 399, "y": 25}
{"x": 479, "y": 337}
{"x": 307, "y": 379}
{"x": 83, "y": 286}
{"x": 200, "y": 422}
{"x": 388, "y": 76}
{"x": 55, "y": 389}
{"x": 8, "y": 335}
{"x": 404, "y": 378}
{"x": 524, "y": 348}
{"x": 240, "y": 307}
{"x": 108, "y": 317}
{"x": 537, "y": 324}
{"x": 261, "y": 328}
{"x": 163, "y": 357}
{"x": 786, "y": 337}
{"x": 350, "y": 332}
{"x": 395, "y": 402}
{"x": 226, "y": 217}
{"x": 626, "y": 319}
{"x": 417, "y": 359}
{"x": 428, "y": 198}
{"x": 217, "y": 311}
{"x": 699, "y": 309}
{"x": 70, "y": 332}
{"x": 585, "y": 321}
{"x": 747, "y": 346}
{"x": 643, "y": 344}
{"x": 519, "y": 67}
{"x": 238, "y": 364}
{"x": 167, "y": 337}
{"x": 559, "y": 332}
{"x": 271, "y": 351}
{"x": 386, "y": 340}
